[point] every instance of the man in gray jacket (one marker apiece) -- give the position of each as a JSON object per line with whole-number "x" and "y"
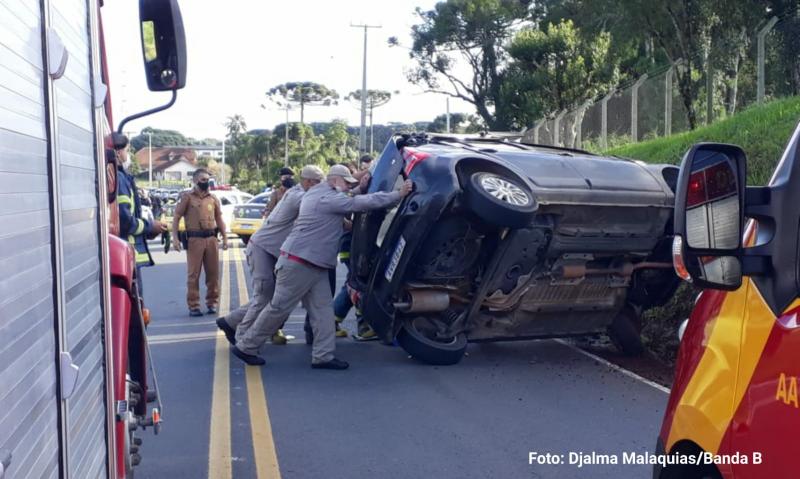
{"x": 262, "y": 253}
{"x": 302, "y": 269}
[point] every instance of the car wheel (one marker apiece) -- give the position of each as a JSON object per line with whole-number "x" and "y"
{"x": 431, "y": 350}
{"x": 245, "y": 239}
{"x": 500, "y": 199}
{"x": 626, "y": 332}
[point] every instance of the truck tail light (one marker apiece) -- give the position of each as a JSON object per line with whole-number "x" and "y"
{"x": 413, "y": 158}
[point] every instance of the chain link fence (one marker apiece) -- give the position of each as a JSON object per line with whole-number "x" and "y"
{"x": 653, "y": 106}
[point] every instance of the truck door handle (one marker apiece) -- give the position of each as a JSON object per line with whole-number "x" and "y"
{"x": 5, "y": 462}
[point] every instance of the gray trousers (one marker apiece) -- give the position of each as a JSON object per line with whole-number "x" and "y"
{"x": 295, "y": 282}
{"x": 262, "y": 273}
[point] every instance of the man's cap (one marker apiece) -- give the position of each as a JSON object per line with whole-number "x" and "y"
{"x": 312, "y": 172}
{"x": 286, "y": 171}
{"x": 365, "y": 159}
{"x": 343, "y": 171}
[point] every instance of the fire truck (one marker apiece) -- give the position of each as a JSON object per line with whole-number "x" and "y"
{"x": 76, "y": 383}
{"x": 733, "y": 410}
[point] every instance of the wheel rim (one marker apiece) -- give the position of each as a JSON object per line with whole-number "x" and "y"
{"x": 504, "y": 190}
{"x": 423, "y": 332}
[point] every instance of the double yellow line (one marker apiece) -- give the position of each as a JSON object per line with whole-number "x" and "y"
{"x": 219, "y": 450}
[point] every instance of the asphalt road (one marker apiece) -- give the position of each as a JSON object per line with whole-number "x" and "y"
{"x": 386, "y": 416}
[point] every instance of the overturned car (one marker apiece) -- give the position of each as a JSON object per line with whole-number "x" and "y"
{"x": 502, "y": 240}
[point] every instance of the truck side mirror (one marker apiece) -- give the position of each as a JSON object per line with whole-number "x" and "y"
{"x": 709, "y": 216}
{"x": 163, "y": 44}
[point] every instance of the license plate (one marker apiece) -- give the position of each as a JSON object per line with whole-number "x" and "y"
{"x": 398, "y": 253}
{"x": 246, "y": 226}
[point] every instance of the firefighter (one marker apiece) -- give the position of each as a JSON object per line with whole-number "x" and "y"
{"x": 302, "y": 269}
{"x": 132, "y": 226}
{"x": 202, "y": 215}
{"x": 262, "y": 252}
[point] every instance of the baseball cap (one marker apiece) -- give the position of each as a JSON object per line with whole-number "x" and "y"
{"x": 311, "y": 172}
{"x": 286, "y": 171}
{"x": 343, "y": 171}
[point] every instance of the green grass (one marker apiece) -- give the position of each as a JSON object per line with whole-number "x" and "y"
{"x": 762, "y": 131}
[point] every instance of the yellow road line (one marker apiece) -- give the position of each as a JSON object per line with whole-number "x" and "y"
{"x": 260, "y": 428}
{"x": 219, "y": 447}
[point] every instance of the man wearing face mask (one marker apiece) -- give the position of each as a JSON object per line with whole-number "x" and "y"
{"x": 287, "y": 181}
{"x": 132, "y": 227}
{"x": 203, "y": 216}
{"x": 302, "y": 269}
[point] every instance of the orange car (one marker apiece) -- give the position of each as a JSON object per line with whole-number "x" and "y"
{"x": 734, "y": 409}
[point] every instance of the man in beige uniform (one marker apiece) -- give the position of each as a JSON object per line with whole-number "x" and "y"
{"x": 203, "y": 217}
{"x": 263, "y": 251}
{"x": 302, "y": 269}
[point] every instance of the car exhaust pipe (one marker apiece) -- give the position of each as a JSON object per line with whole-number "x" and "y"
{"x": 424, "y": 301}
{"x": 577, "y": 271}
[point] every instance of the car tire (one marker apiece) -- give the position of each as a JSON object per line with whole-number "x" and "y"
{"x": 625, "y": 331}
{"x": 245, "y": 239}
{"x": 428, "y": 350}
{"x": 500, "y": 199}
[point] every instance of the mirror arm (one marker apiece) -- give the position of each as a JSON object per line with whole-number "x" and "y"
{"x": 757, "y": 200}
{"x": 148, "y": 112}
{"x": 755, "y": 264}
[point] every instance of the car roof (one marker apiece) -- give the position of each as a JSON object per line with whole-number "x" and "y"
{"x": 493, "y": 144}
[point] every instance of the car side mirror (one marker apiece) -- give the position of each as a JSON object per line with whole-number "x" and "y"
{"x": 709, "y": 216}
{"x": 163, "y": 44}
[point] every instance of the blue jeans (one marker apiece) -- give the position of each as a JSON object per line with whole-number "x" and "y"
{"x": 342, "y": 302}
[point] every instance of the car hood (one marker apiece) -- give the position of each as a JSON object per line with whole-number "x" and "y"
{"x": 576, "y": 178}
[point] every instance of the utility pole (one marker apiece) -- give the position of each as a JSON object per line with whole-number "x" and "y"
{"x": 371, "y": 129}
{"x": 222, "y": 174}
{"x": 150, "y": 157}
{"x": 448, "y": 116}
{"x": 286, "y": 139}
{"x": 363, "y": 132}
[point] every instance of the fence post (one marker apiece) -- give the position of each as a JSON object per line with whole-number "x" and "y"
{"x": 668, "y": 100}
{"x": 557, "y": 127}
{"x": 581, "y": 115}
{"x": 635, "y": 108}
{"x": 604, "y": 119}
{"x": 536, "y": 126}
{"x": 761, "y": 58}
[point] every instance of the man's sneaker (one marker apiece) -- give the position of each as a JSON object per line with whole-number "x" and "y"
{"x": 250, "y": 359}
{"x": 195, "y": 312}
{"x": 332, "y": 364}
{"x": 230, "y": 333}
{"x": 340, "y": 333}
{"x": 279, "y": 338}
{"x": 366, "y": 335}
{"x": 212, "y": 310}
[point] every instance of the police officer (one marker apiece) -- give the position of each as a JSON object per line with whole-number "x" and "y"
{"x": 262, "y": 253}
{"x": 132, "y": 226}
{"x": 203, "y": 219}
{"x": 302, "y": 269}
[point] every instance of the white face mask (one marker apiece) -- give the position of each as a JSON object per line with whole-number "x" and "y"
{"x": 127, "y": 163}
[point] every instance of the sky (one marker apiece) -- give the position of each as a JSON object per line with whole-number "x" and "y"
{"x": 238, "y": 49}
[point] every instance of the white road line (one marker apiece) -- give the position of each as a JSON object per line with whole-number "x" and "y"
{"x": 613, "y": 366}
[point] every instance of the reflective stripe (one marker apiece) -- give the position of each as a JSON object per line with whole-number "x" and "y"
{"x": 142, "y": 258}
{"x": 139, "y": 227}
{"x": 344, "y": 255}
{"x": 124, "y": 200}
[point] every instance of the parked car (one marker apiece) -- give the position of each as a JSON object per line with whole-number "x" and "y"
{"x": 501, "y": 240}
{"x": 230, "y": 197}
{"x": 247, "y": 218}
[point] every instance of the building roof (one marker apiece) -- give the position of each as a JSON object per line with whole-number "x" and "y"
{"x": 163, "y": 155}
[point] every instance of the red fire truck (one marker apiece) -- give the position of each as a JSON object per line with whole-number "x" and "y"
{"x": 76, "y": 383}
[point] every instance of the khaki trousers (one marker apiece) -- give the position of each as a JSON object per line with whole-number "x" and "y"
{"x": 295, "y": 282}
{"x": 202, "y": 254}
{"x": 262, "y": 273}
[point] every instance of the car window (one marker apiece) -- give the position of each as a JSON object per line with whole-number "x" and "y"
{"x": 225, "y": 201}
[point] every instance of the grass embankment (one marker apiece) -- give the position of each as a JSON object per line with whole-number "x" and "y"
{"x": 763, "y": 133}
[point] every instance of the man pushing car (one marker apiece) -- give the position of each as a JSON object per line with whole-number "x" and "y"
{"x": 302, "y": 268}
